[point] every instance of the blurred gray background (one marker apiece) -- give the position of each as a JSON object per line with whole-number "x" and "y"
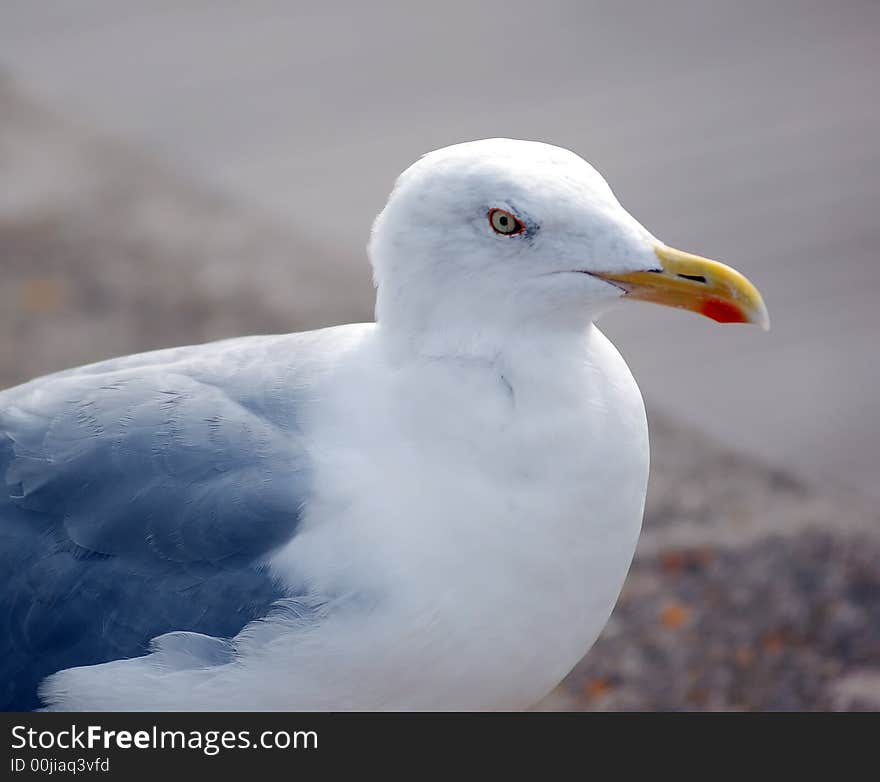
{"x": 745, "y": 131}
{"x": 183, "y": 171}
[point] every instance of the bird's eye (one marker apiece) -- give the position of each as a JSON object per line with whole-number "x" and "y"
{"x": 504, "y": 222}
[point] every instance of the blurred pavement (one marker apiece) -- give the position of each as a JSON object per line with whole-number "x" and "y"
{"x": 745, "y": 131}
{"x": 176, "y": 172}
{"x": 750, "y": 589}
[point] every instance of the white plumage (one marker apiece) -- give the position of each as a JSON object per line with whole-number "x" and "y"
{"x": 477, "y": 460}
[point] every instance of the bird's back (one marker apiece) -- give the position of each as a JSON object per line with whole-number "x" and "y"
{"x": 140, "y": 496}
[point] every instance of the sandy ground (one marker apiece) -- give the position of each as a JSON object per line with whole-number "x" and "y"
{"x": 750, "y": 590}
{"x": 744, "y": 130}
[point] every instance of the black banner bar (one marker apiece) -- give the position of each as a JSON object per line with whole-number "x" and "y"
{"x": 130, "y": 745}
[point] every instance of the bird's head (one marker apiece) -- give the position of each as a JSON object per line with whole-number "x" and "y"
{"x": 490, "y": 236}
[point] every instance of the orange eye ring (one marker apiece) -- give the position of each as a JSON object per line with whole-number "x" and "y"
{"x": 505, "y": 223}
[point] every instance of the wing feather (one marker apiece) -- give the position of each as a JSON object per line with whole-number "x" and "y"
{"x": 141, "y": 497}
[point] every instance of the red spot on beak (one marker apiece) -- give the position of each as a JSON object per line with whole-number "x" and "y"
{"x": 723, "y": 312}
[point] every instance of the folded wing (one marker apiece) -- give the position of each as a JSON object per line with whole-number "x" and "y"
{"x": 140, "y": 497}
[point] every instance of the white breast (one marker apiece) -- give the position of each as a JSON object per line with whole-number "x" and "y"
{"x": 486, "y": 513}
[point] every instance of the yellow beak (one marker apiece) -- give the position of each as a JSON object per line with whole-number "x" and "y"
{"x": 693, "y": 283}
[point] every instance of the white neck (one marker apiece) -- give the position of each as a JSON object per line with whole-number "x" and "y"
{"x": 470, "y": 325}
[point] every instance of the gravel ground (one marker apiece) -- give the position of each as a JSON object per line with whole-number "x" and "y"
{"x": 779, "y": 624}
{"x": 750, "y": 590}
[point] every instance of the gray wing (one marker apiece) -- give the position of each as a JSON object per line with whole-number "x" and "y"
{"x": 141, "y": 496}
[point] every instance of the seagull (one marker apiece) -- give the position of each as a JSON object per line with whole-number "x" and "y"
{"x": 435, "y": 511}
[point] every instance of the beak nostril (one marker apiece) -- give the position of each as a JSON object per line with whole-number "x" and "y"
{"x": 693, "y": 277}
